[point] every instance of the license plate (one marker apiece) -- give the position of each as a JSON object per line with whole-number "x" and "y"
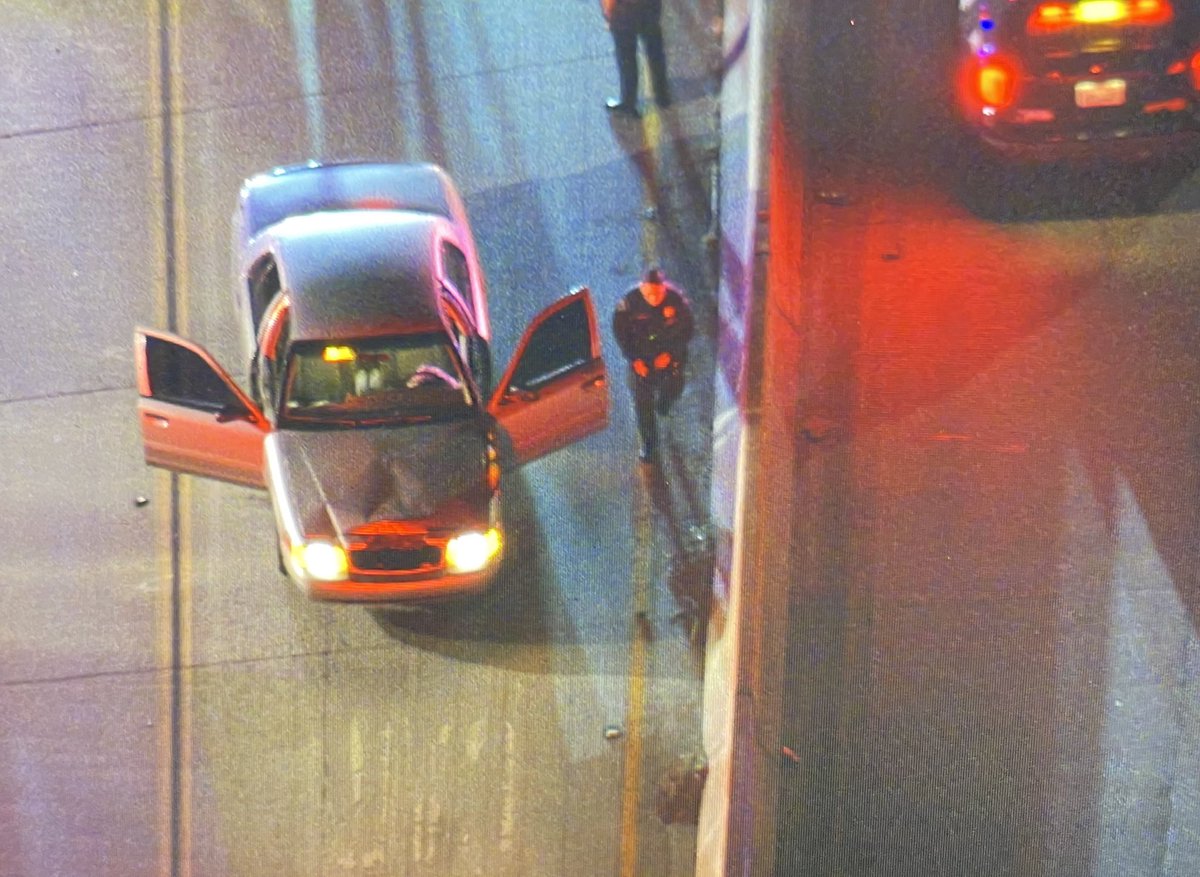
{"x": 1109, "y": 93}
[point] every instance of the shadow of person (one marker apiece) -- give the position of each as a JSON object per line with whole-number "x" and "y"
{"x": 677, "y": 509}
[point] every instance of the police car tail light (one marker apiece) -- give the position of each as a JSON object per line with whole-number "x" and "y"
{"x": 1196, "y": 70}
{"x": 1151, "y": 12}
{"x": 1050, "y": 18}
{"x": 995, "y": 83}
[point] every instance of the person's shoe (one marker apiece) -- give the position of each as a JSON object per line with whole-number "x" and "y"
{"x": 615, "y": 105}
{"x": 648, "y": 456}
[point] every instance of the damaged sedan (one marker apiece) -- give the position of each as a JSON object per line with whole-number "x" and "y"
{"x": 370, "y": 416}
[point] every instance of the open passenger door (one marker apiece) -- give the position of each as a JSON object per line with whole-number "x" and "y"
{"x": 555, "y": 390}
{"x": 194, "y": 418}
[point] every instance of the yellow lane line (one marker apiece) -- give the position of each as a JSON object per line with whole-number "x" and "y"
{"x": 643, "y": 535}
{"x": 179, "y": 214}
{"x": 652, "y": 126}
{"x": 184, "y": 731}
{"x": 172, "y": 494}
{"x": 183, "y": 815}
{"x": 162, "y": 655}
{"x": 162, "y": 488}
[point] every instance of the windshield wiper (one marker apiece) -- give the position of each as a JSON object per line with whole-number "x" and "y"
{"x": 399, "y": 420}
{"x": 319, "y": 422}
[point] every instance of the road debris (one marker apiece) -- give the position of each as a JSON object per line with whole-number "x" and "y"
{"x": 644, "y": 625}
{"x": 677, "y": 795}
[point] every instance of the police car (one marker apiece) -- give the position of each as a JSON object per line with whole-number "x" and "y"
{"x": 370, "y": 416}
{"x": 1048, "y": 79}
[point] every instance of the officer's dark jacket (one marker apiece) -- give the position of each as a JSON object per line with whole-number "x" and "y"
{"x": 643, "y": 332}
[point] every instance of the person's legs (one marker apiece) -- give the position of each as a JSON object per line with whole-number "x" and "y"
{"x": 625, "y": 47}
{"x": 669, "y": 390}
{"x": 647, "y": 423}
{"x": 656, "y": 59}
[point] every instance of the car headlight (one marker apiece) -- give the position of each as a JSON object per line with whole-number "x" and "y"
{"x": 322, "y": 560}
{"x": 471, "y": 552}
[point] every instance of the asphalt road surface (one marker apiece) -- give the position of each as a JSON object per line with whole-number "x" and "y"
{"x": 169, "y": 705}
{"x": 993, "y": 663}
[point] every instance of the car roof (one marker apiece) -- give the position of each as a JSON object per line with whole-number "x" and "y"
{"x": 359, "y": 273}
{"x": 269, "y": 197}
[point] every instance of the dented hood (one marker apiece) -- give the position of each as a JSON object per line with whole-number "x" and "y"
{"x": 433, "y": 475}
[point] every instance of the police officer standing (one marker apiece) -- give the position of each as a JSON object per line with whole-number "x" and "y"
{"x": 653, "y": 324}
{"x": 631, "y": 21}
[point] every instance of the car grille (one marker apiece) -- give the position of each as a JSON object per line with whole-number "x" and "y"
{"x": 422, "y": 557}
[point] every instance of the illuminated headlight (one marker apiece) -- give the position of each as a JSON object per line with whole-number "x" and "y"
{"x": 471, "y": 552}
{"x": 322, "y": 560}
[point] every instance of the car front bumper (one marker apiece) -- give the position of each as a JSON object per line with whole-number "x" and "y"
{"x": 359, "y": 589}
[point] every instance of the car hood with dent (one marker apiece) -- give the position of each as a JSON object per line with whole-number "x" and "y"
{"x": 432, "y": 475}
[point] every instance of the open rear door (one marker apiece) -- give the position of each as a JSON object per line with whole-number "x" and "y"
{"x": 194, "y": 418}
{"x": 555, "y": 391}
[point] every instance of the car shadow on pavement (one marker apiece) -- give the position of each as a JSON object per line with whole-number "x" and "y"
{"x": 1008, "y": 192}
{"x": 513, "y": 609}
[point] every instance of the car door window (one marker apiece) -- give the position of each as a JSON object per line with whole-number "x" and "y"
{"x": 457, "y": 270}
{"x": 555, "y": 391}
{"x": 457, "y": 325}
{"x": 470, "y": 347}
{"x": 273, "y": 365}
{"x": 559, "y": 345}
{"x": 264, "y": 284}
{"x": 181, "y": 377}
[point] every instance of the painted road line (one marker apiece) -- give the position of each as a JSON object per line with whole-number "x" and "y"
{"x": 652, "y": 127}
{"x": 164, "y": 487}
{"x": 173, "y": 523}
{"x": 631, "y": 780}
{"x": 164, "y": 505}
{"x": 183, "y": 681}
{"x": 643, "y": 536}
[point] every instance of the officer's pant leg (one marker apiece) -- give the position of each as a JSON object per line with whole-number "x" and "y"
{"x": 625, "y": 45}
{"x": 669, "y": 389}
{"x": 656, "y": 59}
{"x": 643, "y": 407}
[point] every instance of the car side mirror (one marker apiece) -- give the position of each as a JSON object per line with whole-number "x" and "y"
{"x": 516, "y": 394}
{"x": 233, "y": 411}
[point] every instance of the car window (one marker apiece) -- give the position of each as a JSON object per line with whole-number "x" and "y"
{"x": 456, "y": 324}
{"x": 560, "y": 344}
{"x": 264, "y": 284}
{"x": 458, "y": 272}
{"x": 181, "y": 377}
{"x": 375, "y": 381}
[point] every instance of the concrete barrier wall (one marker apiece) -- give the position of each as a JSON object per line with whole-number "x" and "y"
{"x": 735, "y": 834}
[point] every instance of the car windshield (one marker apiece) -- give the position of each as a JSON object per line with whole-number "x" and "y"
{"x": 375, "y": 381}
